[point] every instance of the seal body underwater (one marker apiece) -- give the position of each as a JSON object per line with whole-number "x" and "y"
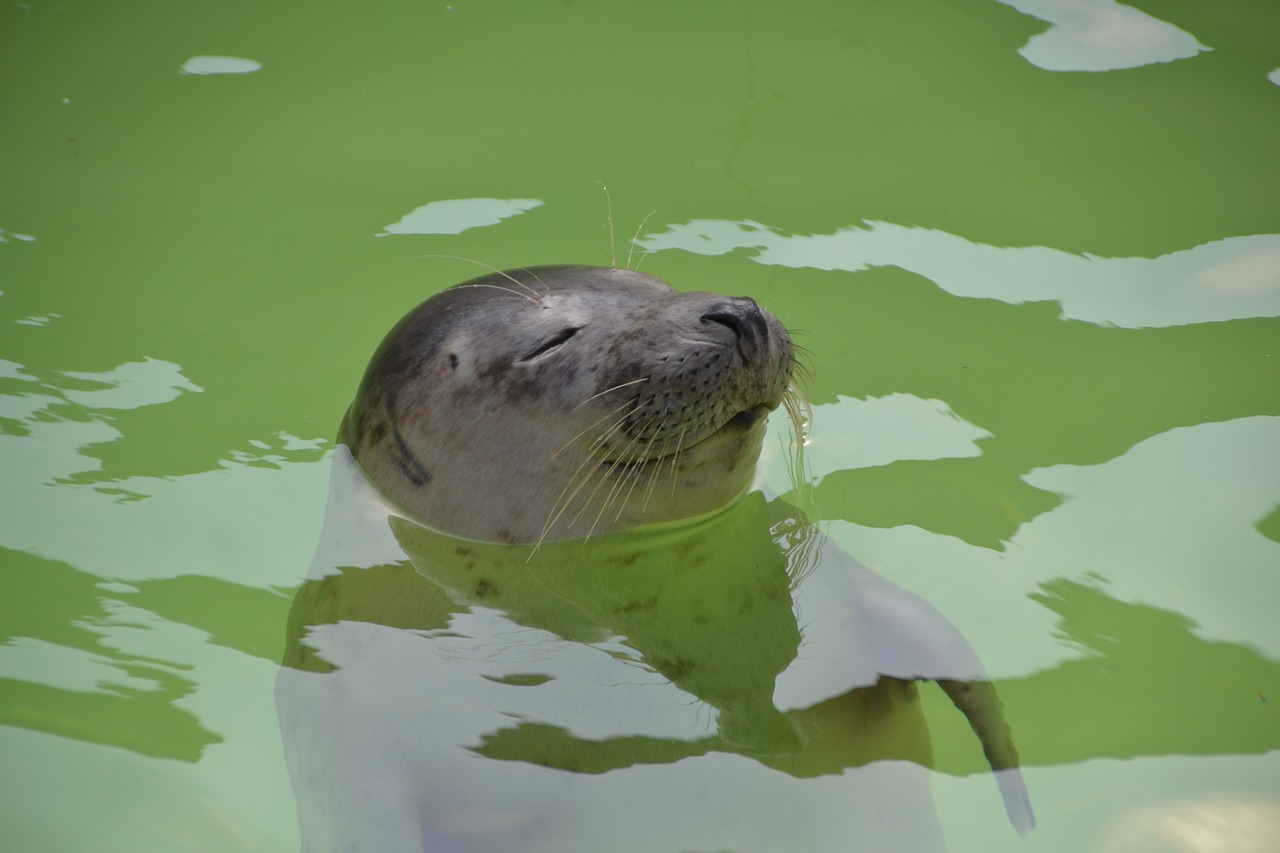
{"x": 547, "y": 605}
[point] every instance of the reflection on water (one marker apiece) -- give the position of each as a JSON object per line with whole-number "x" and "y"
{"x": 1101, "y": 35}
{"x": 453, "y": 216}
{"x": 1227, "y": 279}
{"x": 206, "y": 65}
{"x": 1209, "y": 825}
{"x": 116, "y": 698}
{"x": 1049, "y": 392}
{"x": 882, "y": 430}
{"x": 1177, "y": 523}
{"x": 93, "y": 624}
{"x": 121, "y": 627}
{"x": 1144, "y": 684}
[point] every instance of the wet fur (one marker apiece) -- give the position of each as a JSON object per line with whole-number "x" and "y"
{"x": 631, "y": 375}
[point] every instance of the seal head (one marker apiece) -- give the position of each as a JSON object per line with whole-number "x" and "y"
{"x": 557, "y": 402}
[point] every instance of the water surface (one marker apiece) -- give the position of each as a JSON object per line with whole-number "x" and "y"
{"x": 1032, "y": 249}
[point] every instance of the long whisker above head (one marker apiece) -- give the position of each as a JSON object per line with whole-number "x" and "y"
{"x": 515, "y": 293}
{"x": 531, "y": 294}
{"x": 613, "y": 248}
{"x": 636, "y": 239}
{"x": 545, "y": 289}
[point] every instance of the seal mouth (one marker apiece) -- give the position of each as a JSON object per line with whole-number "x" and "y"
{"x": 747, "y": 418}
{"x": 740, "y": 422}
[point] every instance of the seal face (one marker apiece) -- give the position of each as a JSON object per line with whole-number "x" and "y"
{"x": 557, "y": 402}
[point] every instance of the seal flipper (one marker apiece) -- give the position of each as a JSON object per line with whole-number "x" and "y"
{"x": 907, "y": 637}
{"x": 982, "y": 707}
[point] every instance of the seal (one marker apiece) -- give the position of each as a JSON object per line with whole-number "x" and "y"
{"x": 550, "y": 403}
{"x": 545, "y": 579}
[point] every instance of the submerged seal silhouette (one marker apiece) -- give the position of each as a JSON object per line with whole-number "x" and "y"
{"x": 512, "y": 442}
{"x": 549, "y": 403}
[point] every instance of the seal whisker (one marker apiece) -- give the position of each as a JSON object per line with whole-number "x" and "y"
{"x": 610, "y": 390}
{"x": 796, "y": 404}
{"x": 618, "y": 484}
{"x": 599, "y": 439}
{"x": 546, "y": 288}
{"x": 802, "y": 365}
{"x": 515, "y": 293}
{"x": 613, "y": 249}
{"x": 533, "y": 295}
{"x": 626, "y": 459}
{"x": 800, "y": 414}
{"x": 675, "y": 456}
{"x": 589, "y": 467}
{"x": 657, "y": 471}
{"x": 634, "y": 479}
{"x": 636, "y": 238}
{"x": 577, "y": 481}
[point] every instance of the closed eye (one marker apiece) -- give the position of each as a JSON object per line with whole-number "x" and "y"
{"x": 551, "y": 343}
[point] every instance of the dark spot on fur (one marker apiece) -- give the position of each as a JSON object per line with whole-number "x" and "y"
{"x": 485, "y": 588}
{"x": 453, "y": 361}
{"x": 495, "y": 370}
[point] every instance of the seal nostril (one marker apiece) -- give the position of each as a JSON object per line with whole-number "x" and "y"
{"x": 743, "y": 316}
{"x": 724, "y": 318}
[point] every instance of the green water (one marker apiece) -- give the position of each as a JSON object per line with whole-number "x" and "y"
{"x": 1041, "y": 305}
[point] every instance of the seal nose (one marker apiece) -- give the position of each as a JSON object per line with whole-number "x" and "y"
{"x": 743, "y": 316}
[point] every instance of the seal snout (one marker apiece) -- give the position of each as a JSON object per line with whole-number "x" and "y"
{"x": 743, "y": 317}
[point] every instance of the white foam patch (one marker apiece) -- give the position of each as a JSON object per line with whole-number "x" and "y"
{"x": 453, "y": 216}
{"x": 6, "y": 236}
{"x": 1101, "y": 35}
{"x": 132, "y": 385}
{"x": 207, "y": 65}
{"x": 853, "y": 433}
{"x": 64, "y": 668}
{"x": 242, "y": 522}
{"x": 1227, "y": 279}
{"x": 1170, "y": 524}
